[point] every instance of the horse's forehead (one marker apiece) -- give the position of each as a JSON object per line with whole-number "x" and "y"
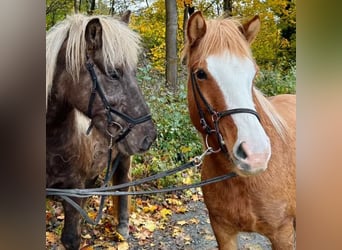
{"x": 234, "y": 76}
{"x": 228, "y": 61}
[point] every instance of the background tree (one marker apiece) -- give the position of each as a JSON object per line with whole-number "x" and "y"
{"x": 228, "y": 7}
{"x": 188, "y": 10}
{"x": 91, "y": 7}
{"x": 171, "y": 44}
{"x": 57, "y": 10}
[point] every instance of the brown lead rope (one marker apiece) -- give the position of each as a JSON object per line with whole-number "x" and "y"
{"x": 106, "y": 191}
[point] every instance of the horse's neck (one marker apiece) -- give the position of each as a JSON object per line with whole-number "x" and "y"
{"x": 58, "y": 117}
{"x": 69, "y": 151}
{"x": 274, "y": 124}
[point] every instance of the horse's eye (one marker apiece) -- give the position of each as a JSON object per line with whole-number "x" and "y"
{"x": 115, "y": 74}
{"x": 200, "y": 74}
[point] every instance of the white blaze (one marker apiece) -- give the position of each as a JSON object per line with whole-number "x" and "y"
{"x": 234, "y": 76}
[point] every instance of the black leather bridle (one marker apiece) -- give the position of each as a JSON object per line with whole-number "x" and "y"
{"x": 215, "y": 115}
{"x": 131, "y": 122}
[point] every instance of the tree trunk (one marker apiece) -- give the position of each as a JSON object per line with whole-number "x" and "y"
{"x": 92, "y": 7}
{"x": 171, "y": 45}
{"x": 188, "y": 10}
{"x": 111, "y": 9}
{"x": 227, "y": 8}
{"x": 76, "y": 6}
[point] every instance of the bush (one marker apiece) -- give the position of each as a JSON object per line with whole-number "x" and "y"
{"x": 274, "y": 81}
{"x": 177, "y": 141}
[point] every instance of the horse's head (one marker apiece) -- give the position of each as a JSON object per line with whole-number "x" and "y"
{"x": 220, "y": 96}
{"x": 95, "y": 74}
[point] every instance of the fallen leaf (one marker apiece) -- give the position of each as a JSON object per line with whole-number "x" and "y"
{"x": 176, "y": 231}
{"x": 87, "y": 236}
{"x": 87, "y": 248}
{"x": 50, "y": 237}
{"x": 181, "y": 222}
{"x": 150, "y": 226}
{"x": 118, "y": 237}
{"x": 181, "y": 210}
{"x": 187, "y": 180}
{"x": 172, "y": 201}
{"x": 164, "y": 212}
{"x": 194, "y": 221}
{"x": 195, "y": 197}
{"x": 150, "y": 208}
{"x": 123, "y": 246}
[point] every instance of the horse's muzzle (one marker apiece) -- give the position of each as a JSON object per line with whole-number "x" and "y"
{"x": 249, "y": 162}
{"x": 147, "y": 142}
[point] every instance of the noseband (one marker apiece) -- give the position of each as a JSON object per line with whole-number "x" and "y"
{"x": 131, "y": 122}
{"x": 215, "y": 116}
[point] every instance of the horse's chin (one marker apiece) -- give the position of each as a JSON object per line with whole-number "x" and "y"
{"x": 245, "y": 170}
{"x": 125, "y": 149}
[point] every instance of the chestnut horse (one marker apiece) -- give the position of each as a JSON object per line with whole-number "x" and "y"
{"x": 241, "y": 127}
{"x": 91, "y": 84}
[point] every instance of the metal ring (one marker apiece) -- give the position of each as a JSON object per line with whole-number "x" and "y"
{"x": 111, "y": 124}
{"x": 207, "y": 145}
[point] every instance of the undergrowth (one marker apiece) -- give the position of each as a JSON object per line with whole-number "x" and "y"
{"x": 177, "y": 141}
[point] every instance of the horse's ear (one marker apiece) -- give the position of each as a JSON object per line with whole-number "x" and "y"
{"x": 125, "y": 16}
{"x": 93, "y": 34}
{"x": 251, "y": 28}
{"x": 196, "y": 27}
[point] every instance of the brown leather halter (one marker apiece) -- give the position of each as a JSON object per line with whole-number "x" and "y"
{"x": 215, "y": 115}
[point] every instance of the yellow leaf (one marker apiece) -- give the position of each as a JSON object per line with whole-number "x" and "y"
{"x": 174, "y": 201}
{"x": 87, "y": 236}
{"x": 176, "y": 231}
{"x": 194, "y": 221}
{"x": 187, "y": 180}
{"x": 87, "y": 248}
{"x": 181, "y": 210}
{"x": 164, "y": 212}
{"x": 185, "y": 149}
{"x": 92, "y": 215}
{"x": 150, "y": 208}
{"x": 123, "y": 246}
{"x": 195, "y": 197}
{"x": 50, "y": 237}
{"x": 181, "y": 222}
{"x": 150, "y": 226}
{"x": 118, "y": 237}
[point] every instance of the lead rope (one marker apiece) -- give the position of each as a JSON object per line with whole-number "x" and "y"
{"x": 197, "y": 161}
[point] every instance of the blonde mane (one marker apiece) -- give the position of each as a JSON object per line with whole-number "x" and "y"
{"x": 120, "y": 45}
{"x": 277, "y": 121}
{"x": 222, "y": 34}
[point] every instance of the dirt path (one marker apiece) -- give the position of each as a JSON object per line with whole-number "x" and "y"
{"x": 192, "y": 231}
{"x": 163, "y": 222}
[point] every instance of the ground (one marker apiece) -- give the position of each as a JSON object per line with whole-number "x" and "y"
{"x": 163, "y": 222}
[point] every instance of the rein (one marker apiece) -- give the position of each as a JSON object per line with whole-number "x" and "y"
{"x": 106, "y": 190}
{"x": 215, "y": 115}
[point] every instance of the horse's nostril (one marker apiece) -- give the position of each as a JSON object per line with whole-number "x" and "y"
{"x": 240, "y": 152}
{"x": 146, "y": 143}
